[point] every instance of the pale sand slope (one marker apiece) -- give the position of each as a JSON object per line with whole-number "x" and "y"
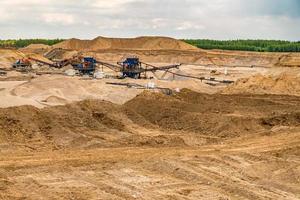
{"x": 8, "y": 56}
{"x": 8, "y": 100}
{"x": 284, "y": 83}
{"x": 58, "y": 89}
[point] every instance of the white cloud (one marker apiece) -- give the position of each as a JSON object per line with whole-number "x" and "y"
{"x": 157, "y": 23}
{"x": 187, "y": 25}
{"x": 23, "y": 2}
{"x": 112, "y": 4}
{"x": 220, "y": 19}
{"x": 58, "y": 18}
{"x": 4, "y": 15}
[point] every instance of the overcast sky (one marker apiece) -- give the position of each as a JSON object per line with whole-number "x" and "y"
{"x": 213, "y": 19}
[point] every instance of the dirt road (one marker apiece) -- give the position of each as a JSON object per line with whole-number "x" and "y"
{"x": 260, "y": 167}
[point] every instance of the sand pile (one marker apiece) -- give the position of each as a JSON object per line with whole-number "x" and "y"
{"x": 86, "y": 123}
{"x": 39, "y": 57}
{"x": 289, "y": 60}
{"x": 8, "y": 56}
{"x": 213, "y": 115}
{"x": 60, "y": 54}
{"x": 69, "y": 89}
{"x": 35, "y": 48}
{"x": 140, "y": 43}
{"x": 258, "y": 84}
{"x": 59, "y": 125}
{"x": 83, "y": 124}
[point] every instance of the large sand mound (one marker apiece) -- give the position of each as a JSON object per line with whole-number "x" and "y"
{"x": 259, "y": 84}
{"x": 51, "y": 90}
{"x": 35, "y": 48}
{"x": 289, "y": 60}
{"x": 141, "y": 43}
{"x": 8, "y": 56}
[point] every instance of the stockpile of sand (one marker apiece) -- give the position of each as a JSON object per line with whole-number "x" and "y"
{"x": 24, "y": 123}
{"x": 63, "y": 89}
{"x": 39, "y": 57}
{"x": 140, "y": 43}
{"x": 8, "y": 56}
{"x": 258, "y": 84}
{"x": 35, "y": 48}
{"x": 289, "y": 60}
{"x": 86, "y": 123}
{"x": 191, "y": 112}
{"x": 89, "y": 123}
{"x": 60, "y": 54}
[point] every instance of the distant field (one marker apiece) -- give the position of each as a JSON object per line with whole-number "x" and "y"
{"x": 25, "y": 42}
{"x": 247, "y": 45}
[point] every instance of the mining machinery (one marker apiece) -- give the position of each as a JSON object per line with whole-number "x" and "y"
{"x": 84, "y": 65}
{"x": 23, "y": 64}
{"x": 132, "y": 67}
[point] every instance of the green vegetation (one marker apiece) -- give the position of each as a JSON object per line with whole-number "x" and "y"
{"x": 247, "y": 45}
{"x": 25, "y": 42}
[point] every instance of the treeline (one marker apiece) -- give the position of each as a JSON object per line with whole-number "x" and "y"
{"x": 247, "y": 45}
{"x": 25, "y": 42}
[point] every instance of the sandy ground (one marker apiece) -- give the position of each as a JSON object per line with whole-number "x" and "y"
{"x": 48, "y": 90}
{"x": 194, "y": 148}
{"x": 248, "y": 168}
{"x": 78, "y": 138}
{"x": 58, "y": 90}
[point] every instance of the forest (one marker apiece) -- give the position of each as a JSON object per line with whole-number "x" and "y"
{"x": 247, "y": 45}
{"x": 25, "y": 42}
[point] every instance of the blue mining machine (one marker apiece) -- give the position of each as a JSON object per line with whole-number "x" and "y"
{"x": 131, "y": 67}
{"x": 86, "y": 66}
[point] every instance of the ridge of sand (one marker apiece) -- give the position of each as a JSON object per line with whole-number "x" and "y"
{"x": 8, "y": 56}
{"x": 37, "y": 46}
{"x": 283, "y": 83}
{"x": 139, "y": 43}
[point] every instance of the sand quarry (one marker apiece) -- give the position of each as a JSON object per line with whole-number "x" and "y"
{"x": 65, "y": 137}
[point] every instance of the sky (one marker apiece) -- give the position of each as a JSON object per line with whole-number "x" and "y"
{"x": 210, "y": 19}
